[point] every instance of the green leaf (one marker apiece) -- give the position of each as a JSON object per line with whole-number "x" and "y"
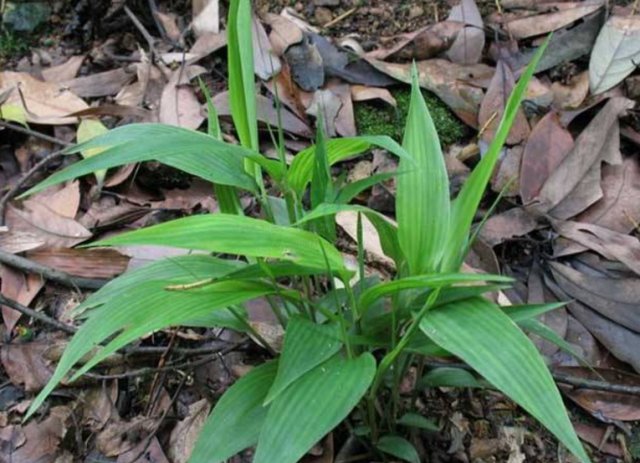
{"x": 413, "y": 420}
{"x": 146, "y": 308}
{"x": 481, "y": 334}
{"x": 399, "y": 447}
{"x": 321, "y": 185}
{"x": 312, "y": 406}
{"x": 351, "y": 190}
{"x": 232, "y": 234}
{"x": 242, "y": 89}
{"x": 519, "y": 313}
{"x": 339, "y": 149}
{"x": 237, "y": 418}
{"x": 193, "y": 152}
{"x": 538, "y": 328}
{"x": 436, "y": 280}
{"x": 450, "y": 377}
{"x": 306, "y": 345}
{"x": 465, "y": 205}
{"x": 422, "y": 192}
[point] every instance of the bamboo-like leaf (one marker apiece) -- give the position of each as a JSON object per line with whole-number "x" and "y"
{"x": 241, "y": 79}
{"x": 312, "y": 406}
{"x": 481, "y": 334}
{"x": 234, "y": 234}
{"x": 236, "y": 420}
{"x": 321, "y": 185}
{"x": 465, "y": 205}
{"x": 431, "y": 281}
{"x": 193, "y": 152}
{"x": 519, "y": 313}
{"x": 422, "y": 192}
{"x": 450, "y": 377}
{"x": 413, "y": 420}
{"x": 306, "y": 345}
{"x": 351, "y": 190}
{"x": 144, "y": 309}
{"x": 398, "y": 447}
{"x": 339, "y": 149}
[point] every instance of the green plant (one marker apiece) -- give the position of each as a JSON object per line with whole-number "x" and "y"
{"x": 347, "y": 345}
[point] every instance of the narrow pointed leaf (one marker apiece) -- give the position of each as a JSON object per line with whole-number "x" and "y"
{"x": 312, "y": 406}
{"x": 465, "y": 205}
{"x": 306, "y": 345}
{"x": 398, "y": 447}
{"x": 236, "y": 420}
{"x": 414, "y": 420}
{"x": 422, "y": 193}
{"x": 234, "y": 234}
{"x": 481, "y": 334}
{"x": 193, "y": 152}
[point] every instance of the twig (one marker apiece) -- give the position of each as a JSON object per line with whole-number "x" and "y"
{"x": 30, "y": 173}
{"x": 580, "y": 383}
{"x": 335, "y": 21}
{"x": 33, "y": 133}
{"x": 37, "y": 315}
{"x": 143, "y": 30}
{"x": 49, "y": 273}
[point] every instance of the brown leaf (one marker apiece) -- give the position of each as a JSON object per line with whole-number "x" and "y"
{"x": 65, "y": 71}
{"x": 364, "y": 93}
{"x": 87, "y": 263}
{"x": 506, "y": 225}
{"x": 452, "y": 83}
{"x": 610, "y": 244}
{"x": 100, "y": 84}
{"x": 26, "y": 365}
{"x": 46, "y": 227}
{"x": 19, "y": 287}
{"x": 144, "y": 453}
{"x": 546, "y": 147}
{"x": 595, "y": 435}
{"x": 604, "y": 405}
{"x": 614, "y": 298}
{"x": 266, "y": 113}
{"x": 493, "y": 105}
{"x": 284, "y": 33}
{"x": 64, "y": 201}
{"x": 206, "y": 16}
{"x": 287, "y": 91}
{"x": 98, "y": 406}
{"x": 46, "y": 103}
{"x": 539, "y": 24}
{"x": 345, "y": 122}
{"x": 266, "y": 62}
{"x": 619, "y": 208}
{"x": 575, "y": 183}
{"x": 507, "y": 174}
{"x": 184, "y": 435}
{"x": 179, "y": 105}
{"x": 169, "y": 24}
{"x": 469, "y": 43}
{"x": 424, "y": 43}
{"x": 206, "y": 44}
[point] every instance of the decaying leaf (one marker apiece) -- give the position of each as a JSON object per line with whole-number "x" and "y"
{"x": 493, "y": 106}
{"x": 615, "y": 54}
{"x": 284, "y": 33}
{"x": 571, "y": 95}
{"x": 44, "y": 102}
{"x": 538, "y": 24}
{"x": 88, "y": 263}
{"x": 265, "y": 61}
{"x": 19, "y": 287}
{"x": 179, "y": 105}
{"x": 26, "y": 364}
{"x": 206, "y": 14}
{"x": 469, "y": 43}
{"x": 184, "y": 435}
{"x": 506, "y": 225}
{"x": 65, "y": 71}
{"x": 364, "y": 93}
{"x": 100, "y": 84}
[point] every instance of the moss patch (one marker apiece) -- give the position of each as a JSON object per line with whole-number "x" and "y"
{"x": 379, "y": 118}
{"x": 12, "y": 44}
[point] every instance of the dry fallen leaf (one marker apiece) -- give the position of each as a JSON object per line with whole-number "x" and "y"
{"x": 615, "y": 54}
{"x": 19, "y": 287}
{"x": 86, "y": 263}
{"x": 100, "y": 84}
{"x": 538, "y": 24}
{"x": 266, "y": 62}
{"x": 44, "y": 102}
{"x": 26, "y": 364}
{"x": 493, "y": 105}
{"x": 179, "y": 104}
{"x": 206, "y": 14}
{"x": 284, "y": 33}
{"x": 184, "y": 435}
{"x": 571, "y": 95}
{"x": 364, "y": 93}
{"x": 65, "y": 71}
{"x": 506, "y": 225}
{"x": 469, "y": 43}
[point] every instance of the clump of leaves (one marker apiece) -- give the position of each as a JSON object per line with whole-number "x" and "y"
{"x": 376, "y": 118}
{"x": 347, "y": 344}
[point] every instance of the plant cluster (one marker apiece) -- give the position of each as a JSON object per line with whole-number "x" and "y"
{"x": 349, "y": 340}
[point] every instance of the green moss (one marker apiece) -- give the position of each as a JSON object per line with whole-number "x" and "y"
{"x": 12, "y": 44}
{"x": 379, "y": 118}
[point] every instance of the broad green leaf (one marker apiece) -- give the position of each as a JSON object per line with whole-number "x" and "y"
{"x": 436, "y": 280}
{"x": 144, "y": 309}
{"x": 398, "y": 447}
{"x": 414, "y": 420}
{"x": 339, "y": 149}
{"x": 232, "y": 234}
{"x": 236, "y": 420}
{"x": 450, "y": 377}
{"x": 193, "y": 152}
{"x": 481, "y": 334}
{"x": 615, "y": 54}
{"x": 306, "y": 345}
{"x": 242, "y": 89}
{"x": 466, "y": 204}
{"x": 87, "y": 130}
{"x": 312, "y": 406}
{"x": 422, "y": 192}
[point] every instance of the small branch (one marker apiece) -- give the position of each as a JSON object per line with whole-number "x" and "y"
{"x": 49, "y": 273}
{"x": 30, "y": 173}
{"x": 37, "y": 315}
{"x": 580, "y": 383}
{"x": 143, "y": 30}
{"x": 33, "y": 133}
